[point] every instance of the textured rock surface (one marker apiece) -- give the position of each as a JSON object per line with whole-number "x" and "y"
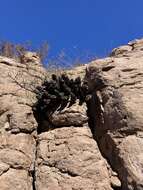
{"x": 73, "y": 116}
{"x": 119, "y": 115}
{"x": 17, "y": 124}
{"x": 68, "y": 158}
{"x": 65, "y": 158}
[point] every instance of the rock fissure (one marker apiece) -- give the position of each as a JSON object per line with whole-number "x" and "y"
{"x": 95, "y": 112}
{"x": 33, "y": 171}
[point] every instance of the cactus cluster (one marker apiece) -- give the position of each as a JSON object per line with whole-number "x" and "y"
{"x": 60, "y": 92}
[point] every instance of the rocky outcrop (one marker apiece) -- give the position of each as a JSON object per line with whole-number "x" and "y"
{"x": 61, "y": 158}
{"x": 94, "y": 146}
{"x": 68, "y": 157}
{"x": 119, "y": 115}
{"x": 17, "y": 124}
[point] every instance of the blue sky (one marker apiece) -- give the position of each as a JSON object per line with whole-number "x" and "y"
{"x": 77, "y": 26}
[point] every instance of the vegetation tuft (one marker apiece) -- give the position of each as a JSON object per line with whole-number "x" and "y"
{"x": 58, "y": 93}
{"x": 17, "y": 51}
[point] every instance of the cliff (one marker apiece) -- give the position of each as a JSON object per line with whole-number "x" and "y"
{"x": 102, "y": 150}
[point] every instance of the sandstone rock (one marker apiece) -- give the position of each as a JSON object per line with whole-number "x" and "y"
{"x": 31, "y": 57}
{"x": 115, "y": 182}
{"x": 16, "y": 179}
{"x": 69, "y": 158}
{"x": 17, "y": 123}
{"x": 70, "y": 155}
{"x": 121, "y": 50}
{"x": 137, "y": 44}
{"x": 119, "y": 114}
{"x": 73, "y": 116}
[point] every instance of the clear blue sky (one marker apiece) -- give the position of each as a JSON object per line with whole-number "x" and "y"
{"x": 95, "y": 26}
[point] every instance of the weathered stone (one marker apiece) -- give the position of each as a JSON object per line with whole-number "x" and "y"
{"x": 73, "y": 156}
{"x": 121, "y": 50}
{"x": 15, "y": 152}
{"x": 73, "y": 116}
{"x": 16, "y": 179}
{"x": 119, "y": 124}
{"x": 31, "y": 57}
{"x": 115, "y": 182}
{"x": 69, "y": 158}
{"x": 17, "y": 123}
{"x": 3, "y": 168}
{"x": 66, "y": 156}
{"x": 137, "y": 44}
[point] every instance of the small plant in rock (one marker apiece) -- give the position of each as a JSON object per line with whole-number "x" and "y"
{"x": 58, "y": 93}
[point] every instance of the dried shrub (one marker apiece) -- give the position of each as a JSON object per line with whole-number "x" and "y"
{"x": 7, "y": 49}
{"x": 17, "y": 51}
{"x": 43, "y": 51}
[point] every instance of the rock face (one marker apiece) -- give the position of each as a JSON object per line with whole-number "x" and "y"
{"x": 68, "y": 157}
{"x": 17, "y": 124}
{"x": 63, "y": 158}
{"x": 103, "y": 151}
{"x": 119, "y": 114}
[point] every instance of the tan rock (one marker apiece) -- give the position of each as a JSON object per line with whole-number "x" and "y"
{"x": 30, "y": 57}
{"x": 17, "y": 123}
{"x": 3, "y": 168}
{"x": 66, "y": 156}
{"x": 69, "y": 158}
{"x": 73, "y": 116}
{"x": 16, "y": 179}
{"x": 121, "y": 50}
{"x": 115, "y": 182}
{"x": 137, "y": 44}
{"x": 119, "y": 124}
